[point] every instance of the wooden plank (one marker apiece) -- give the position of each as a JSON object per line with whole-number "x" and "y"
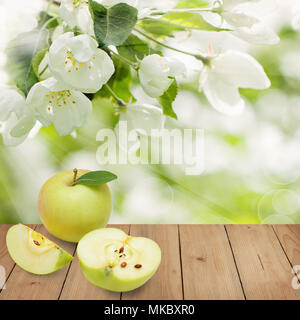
{"x": 264, "y": 269}
{"x": 5, "y": 260}
{"x": 167, "y": 282}
{"x": 77, "y": 287}
{"x": 6, "y": 263}
{"x": 22, "y": 285}
{"x": 289, "y": 237}
{"x": 208, "y": 266}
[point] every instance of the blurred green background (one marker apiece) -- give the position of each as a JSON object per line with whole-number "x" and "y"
{"x": 252, "y": 162}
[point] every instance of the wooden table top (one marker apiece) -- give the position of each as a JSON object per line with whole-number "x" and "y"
{"x": 199, "y": 262}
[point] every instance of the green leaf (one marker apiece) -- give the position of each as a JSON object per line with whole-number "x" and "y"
{"x": 159, "y": 27}
{"x": 37, "y": 59}
{"x": 168, "y": 98}
{"x": 189, "y": 21}
{"x": 95, "y": 178}
{"x": 176, "y": 21}
{"x": 20, "y": 53}
{"x": 43, "y": 17}
{"x": 135, "y": 49}
{"x": 120, "y": 82}
{"x": 112, "y": 25}
{"x": 193, "y": 4}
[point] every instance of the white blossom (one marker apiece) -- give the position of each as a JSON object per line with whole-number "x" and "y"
{"x": 16, "y": 117}
{"x": 156, "y": 73}
{"x": 244, "y": 20}
{"x": 78, "y": 62}
{"x": 221, "y": 79}
{"x": 76, "y": 14}
{"x": 53, "y": 102}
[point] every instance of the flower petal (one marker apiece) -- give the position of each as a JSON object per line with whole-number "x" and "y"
{"x": 78, "y": 62}
{"x": 83, "y": 47}
{"x": 52, "y": 103}
{"x": 77, "y": 16}
{"x": 221, "y": 94}
{"x": 8, "y": 139}
{"x": 177, "y": 68}
{"x": 155, "y": 72}
{"x": 60, "y": 42}
{"x": 212, "y": 18}
{"x": 104, "y": 65}
{"x": 23, "y": 126}
{"x": 10, "y": 100}
{"x": 155, "y": 66}
{"x": 257, "y": 34}
{"x": 239, "y": 19}
{"x": 242, "y": 70}
{"x": 154, "y": 87}
{"x": 70, "y": 117}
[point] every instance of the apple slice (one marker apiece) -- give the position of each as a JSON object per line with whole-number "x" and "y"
{"x": 112, "y": 260}
{"x": 33, "y": 252}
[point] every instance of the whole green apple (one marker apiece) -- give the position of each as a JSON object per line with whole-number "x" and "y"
{"x": 70, "y": 211}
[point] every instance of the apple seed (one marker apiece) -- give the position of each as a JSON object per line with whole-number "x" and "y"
{"x": 121, "y": 250}
{"x": 138, "y": 266}
{"x": 123, "y": 264}
{"x": 36, "y": 243}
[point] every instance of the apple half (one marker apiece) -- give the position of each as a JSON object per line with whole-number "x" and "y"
{"x": 112, "y": 260}
{"x": 33, "y": 252}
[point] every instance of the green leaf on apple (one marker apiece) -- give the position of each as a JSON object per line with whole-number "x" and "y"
{"x": 112, "y": 25}
{"x": 95, "y": 178}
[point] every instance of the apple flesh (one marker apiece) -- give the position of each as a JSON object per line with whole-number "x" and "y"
{"x": 33, "y": 252}
{"x": 70, "y": 211}
{"x": 112, "y": 260}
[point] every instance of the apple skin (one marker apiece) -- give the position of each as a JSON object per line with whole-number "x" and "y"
{"x": 69, "y": 212}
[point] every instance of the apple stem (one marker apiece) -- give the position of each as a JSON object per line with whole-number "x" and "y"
{"x": 75, "y": 171}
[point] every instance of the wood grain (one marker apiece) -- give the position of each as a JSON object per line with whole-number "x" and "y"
{"x": 77, "y": 287}
{"x": 166, "y": 283}
{"x": 264, "y": 269}
{"x": 208, "y": 267}
{"x": 289, "y": 237}
{"x": 23, "y": 285}
{"x": 198, "y": 262}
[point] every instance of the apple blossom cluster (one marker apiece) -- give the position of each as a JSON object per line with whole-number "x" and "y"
{"x": 83, "y": 49}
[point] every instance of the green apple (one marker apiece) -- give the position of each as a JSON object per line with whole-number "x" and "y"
{"x": 70, "y": 211}
{"x": 33, "y": 252}
{"x": 112, "y": 260}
